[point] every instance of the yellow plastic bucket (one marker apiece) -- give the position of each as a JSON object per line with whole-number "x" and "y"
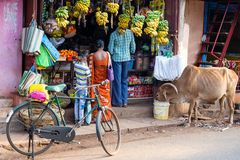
{"x": 160, "y": 110}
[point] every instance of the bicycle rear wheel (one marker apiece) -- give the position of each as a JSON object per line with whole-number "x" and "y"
{"x": 22, "y": 128}
{"x": 108, "y": 130}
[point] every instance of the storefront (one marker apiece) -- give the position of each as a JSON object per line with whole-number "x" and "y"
{"x": 142, "y": 63}
{"x": 178, "y": 14}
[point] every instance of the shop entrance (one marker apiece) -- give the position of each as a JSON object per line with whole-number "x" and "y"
{"x": 214, "y": 10}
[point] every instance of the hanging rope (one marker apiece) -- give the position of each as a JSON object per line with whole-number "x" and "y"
{"x": 138, "y": 6}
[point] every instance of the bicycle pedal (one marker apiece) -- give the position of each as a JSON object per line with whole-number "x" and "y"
{"x": 76, "y": 142}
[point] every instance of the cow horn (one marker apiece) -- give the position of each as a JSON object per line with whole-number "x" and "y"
{"x": 165, "y": 95}
{"x": 170, "y": 84}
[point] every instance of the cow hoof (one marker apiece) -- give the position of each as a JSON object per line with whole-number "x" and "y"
{"x": 186, "y": 124}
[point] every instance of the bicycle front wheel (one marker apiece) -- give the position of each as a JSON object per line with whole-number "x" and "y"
{"x": 22, "y": 128}
{"x": 108, "y": 130}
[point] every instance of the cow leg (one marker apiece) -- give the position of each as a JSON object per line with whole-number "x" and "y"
{"x": 231, "y": 110}
{"x": 192, "y": 104}
{"x": 196, "y": 110}
{"x": 221, "y": 103}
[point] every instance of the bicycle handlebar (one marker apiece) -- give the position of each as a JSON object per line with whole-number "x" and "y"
{"x": 95, "y": 85}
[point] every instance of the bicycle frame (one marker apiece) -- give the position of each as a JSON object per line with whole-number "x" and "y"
{"x": 77, "y": 125}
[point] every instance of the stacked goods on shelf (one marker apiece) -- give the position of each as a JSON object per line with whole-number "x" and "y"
{"x": 140, "y": 91}
{"x": 137, "y": 25}
{"x": 137, "y": 80}
{"x": 123, "y": 23}
{"x": 62, "y": 16}
{"x": 68, "y": 54}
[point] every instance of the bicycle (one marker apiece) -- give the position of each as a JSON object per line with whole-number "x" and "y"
{"x": 41, "y": 126}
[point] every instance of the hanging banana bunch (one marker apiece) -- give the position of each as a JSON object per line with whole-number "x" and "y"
{"x": 137, "y": 25}
{"x": 82, "y": 7}
{"x": 162, "y": 31}
{"x": 76, "y": 13}
{"x": 157, "y": 5}
{"x": 123, "y": 23}
{"x": 61, "y": 16}
{"x": 102, "y": 18}
{"x": 129, "y": 10}
{"x": 152, "y": 23}
{"x": 113, "y": 9}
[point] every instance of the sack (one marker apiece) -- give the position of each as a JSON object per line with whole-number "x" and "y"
{"x": 110, "y": 68}
{"x": 29, "y": 77}
{"x": 31, "y": 38}
{"x": 40, "y": 88}
{"x": 44, "y": 60}
{"x": 38, "y": 96}
{"x": 54, "y": 54}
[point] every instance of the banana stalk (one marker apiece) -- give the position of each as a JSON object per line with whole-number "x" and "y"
{"x": 111, "y": 20}
{"x": 84, "y": 21}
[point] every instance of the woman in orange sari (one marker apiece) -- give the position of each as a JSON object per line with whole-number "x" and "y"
{"x": 98, "y": 64}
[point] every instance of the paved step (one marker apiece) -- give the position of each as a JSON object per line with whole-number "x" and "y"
{"x": 5, "y": 107}
{"x": 6, "y": 102}
{"x": 4, "y": 111}
{"x": 134, "y": 110}
{"x": 2, "y": 125}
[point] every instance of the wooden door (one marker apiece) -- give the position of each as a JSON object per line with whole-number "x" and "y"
{"x": 172, "y": 15}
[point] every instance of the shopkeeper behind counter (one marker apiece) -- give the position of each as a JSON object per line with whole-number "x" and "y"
{"x": 121, "y": 46}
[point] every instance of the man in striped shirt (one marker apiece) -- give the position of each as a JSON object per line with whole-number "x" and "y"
{"x": 82, "y": 73}
{"x": 121, "y": 46}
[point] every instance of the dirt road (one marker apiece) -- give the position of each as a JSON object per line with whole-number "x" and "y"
{"x": 166, "y": 144}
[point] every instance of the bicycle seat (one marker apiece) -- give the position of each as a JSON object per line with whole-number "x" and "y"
{"x": 56, "y": 88}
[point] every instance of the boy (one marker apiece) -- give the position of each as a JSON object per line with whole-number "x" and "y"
{"x": 82, "y": 73}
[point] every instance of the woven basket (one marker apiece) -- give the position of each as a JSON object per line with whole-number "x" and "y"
{"x": 46, "y": 120}
{"x": 63, "y": 102}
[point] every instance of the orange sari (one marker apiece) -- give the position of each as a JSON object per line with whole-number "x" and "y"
{"x": 99, "y": 73}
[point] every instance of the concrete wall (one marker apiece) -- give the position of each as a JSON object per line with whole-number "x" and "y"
{"x": 190, "y": 29}
{"x": 11, "y": 12}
